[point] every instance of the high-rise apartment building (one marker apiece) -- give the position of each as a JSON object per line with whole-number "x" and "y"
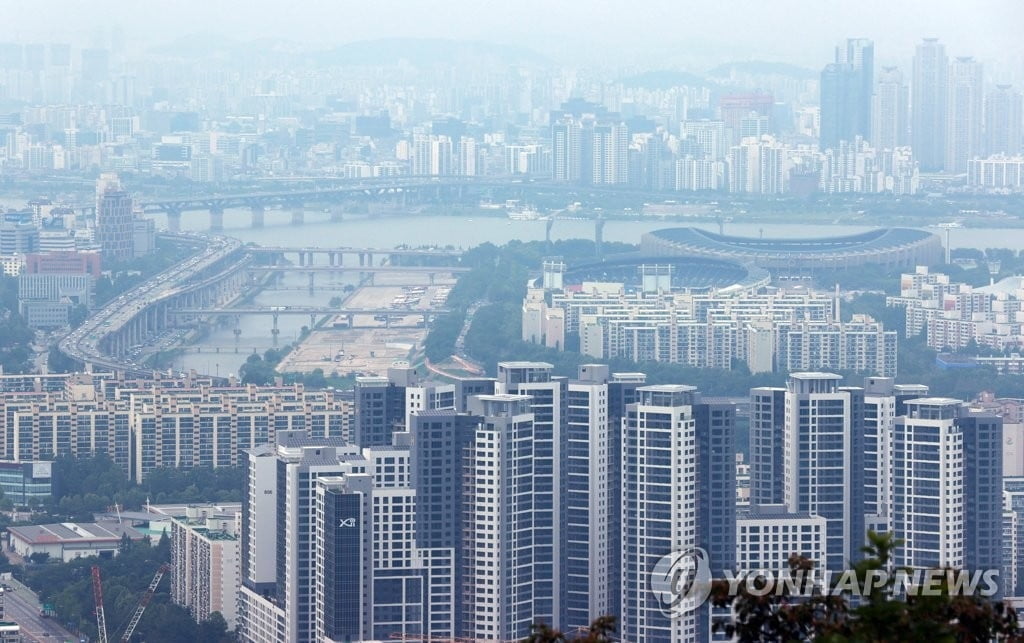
{"x": 889, "y": 110}
{"x": 963, "y": 114}
{"x": 610, "y": 154}
{"x": 706, "y": 138}
{"x": 767, "y": 440}
{"x": 823, "y": 459}
{"x": 566, "y": 152}
{"x": 947, "y": 486}
{"x": 928, "y": 99}
{"x": 659, "y": 506}
{"x": 547, "y": 397}
{"x": 1003, "y": 121}
{"x": 508, "y": 564}
{"x": 380, "y": 405}
{"x": 590, "y": 560}
{"x": 884, "y": 400}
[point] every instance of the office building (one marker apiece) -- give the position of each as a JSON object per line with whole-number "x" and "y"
{"x": 732, "y": 108}
{"x": 67, "y": 262}
{"x": 26, "y": 484}
{"x": 18, "y": 238}
{"x": 846, "y": 89}
{"x": 114, "y": 220}
{"x": 964, "y": 116}
{"x": 860, "y": 54}
{"x": 1003, "y": 121}
{"x": 929, "y": 96}
{"x": 840, "y": 85}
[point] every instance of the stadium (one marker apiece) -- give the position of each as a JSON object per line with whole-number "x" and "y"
{"x": 663, "y": 272}
{"x": 887, "y": 247}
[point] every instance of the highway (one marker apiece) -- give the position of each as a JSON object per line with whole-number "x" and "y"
{"x": 22, "y": 607}
{"x": 83, "y": 343}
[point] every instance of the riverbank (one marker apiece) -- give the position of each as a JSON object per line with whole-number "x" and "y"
{"x": 367, "y": 344}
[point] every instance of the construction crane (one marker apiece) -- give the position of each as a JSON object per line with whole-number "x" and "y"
{"x": 97, "y": 595}
{"x": 101, "y": 619}
{"x": 148, "y": 596}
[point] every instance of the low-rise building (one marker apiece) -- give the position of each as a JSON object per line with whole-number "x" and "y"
{"x": 70, "y": 540}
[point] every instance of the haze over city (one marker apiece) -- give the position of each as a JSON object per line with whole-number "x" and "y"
{"x": 530, "y": 322}
{"x": 614, "y": 33}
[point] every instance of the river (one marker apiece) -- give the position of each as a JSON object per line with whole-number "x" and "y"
{"x": 460, "y": 231}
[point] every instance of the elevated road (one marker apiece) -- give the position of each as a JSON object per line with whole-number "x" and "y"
{"x": 433, "y": 270}
{"x": 113, "y": 326}
{"x": 307, "y": 310}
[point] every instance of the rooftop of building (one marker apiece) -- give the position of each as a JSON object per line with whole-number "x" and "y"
{"x": 525, "y": 364}
{"x": 815, "y": 375}
{"x": 880, "y": 239}
{"x": 935, "y": 401}
{"x": 68, "y": 532}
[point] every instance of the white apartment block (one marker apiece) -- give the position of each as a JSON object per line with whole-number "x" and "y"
{"x": 774, "y": 332}
{"x": 205, "y": 560}
{"x": 767, "y": 535}
{"x": 955, "y": 314}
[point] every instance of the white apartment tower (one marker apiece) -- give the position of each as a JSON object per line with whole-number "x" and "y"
{"x": 659, "y": 506}
{"x": 822, "y": 459}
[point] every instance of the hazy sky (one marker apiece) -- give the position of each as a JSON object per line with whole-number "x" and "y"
{"x": 801, "y": 31}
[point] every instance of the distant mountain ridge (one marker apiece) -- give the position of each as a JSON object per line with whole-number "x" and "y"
{"x": 665, "y": 79}
{"x": 762, "y": 67}
{"x": 384, "y": 51}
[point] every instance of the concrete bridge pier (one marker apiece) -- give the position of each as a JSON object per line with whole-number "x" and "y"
{"x": 275, "y": 331}
{"x": 298, "y": 216}
{"x": 337, "y": 214}
{"x": 312, "y": 321}
{"x": 332, "y": 258}
{"x": 216, "y": 218}
{"x": 258, "y": 216}
{"x": 237, "y": 331}
{"x": 174, "y": 220}
{"x": 312, "y": 280}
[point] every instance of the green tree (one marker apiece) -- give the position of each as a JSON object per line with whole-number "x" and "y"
{"x": 882, "y": 614}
